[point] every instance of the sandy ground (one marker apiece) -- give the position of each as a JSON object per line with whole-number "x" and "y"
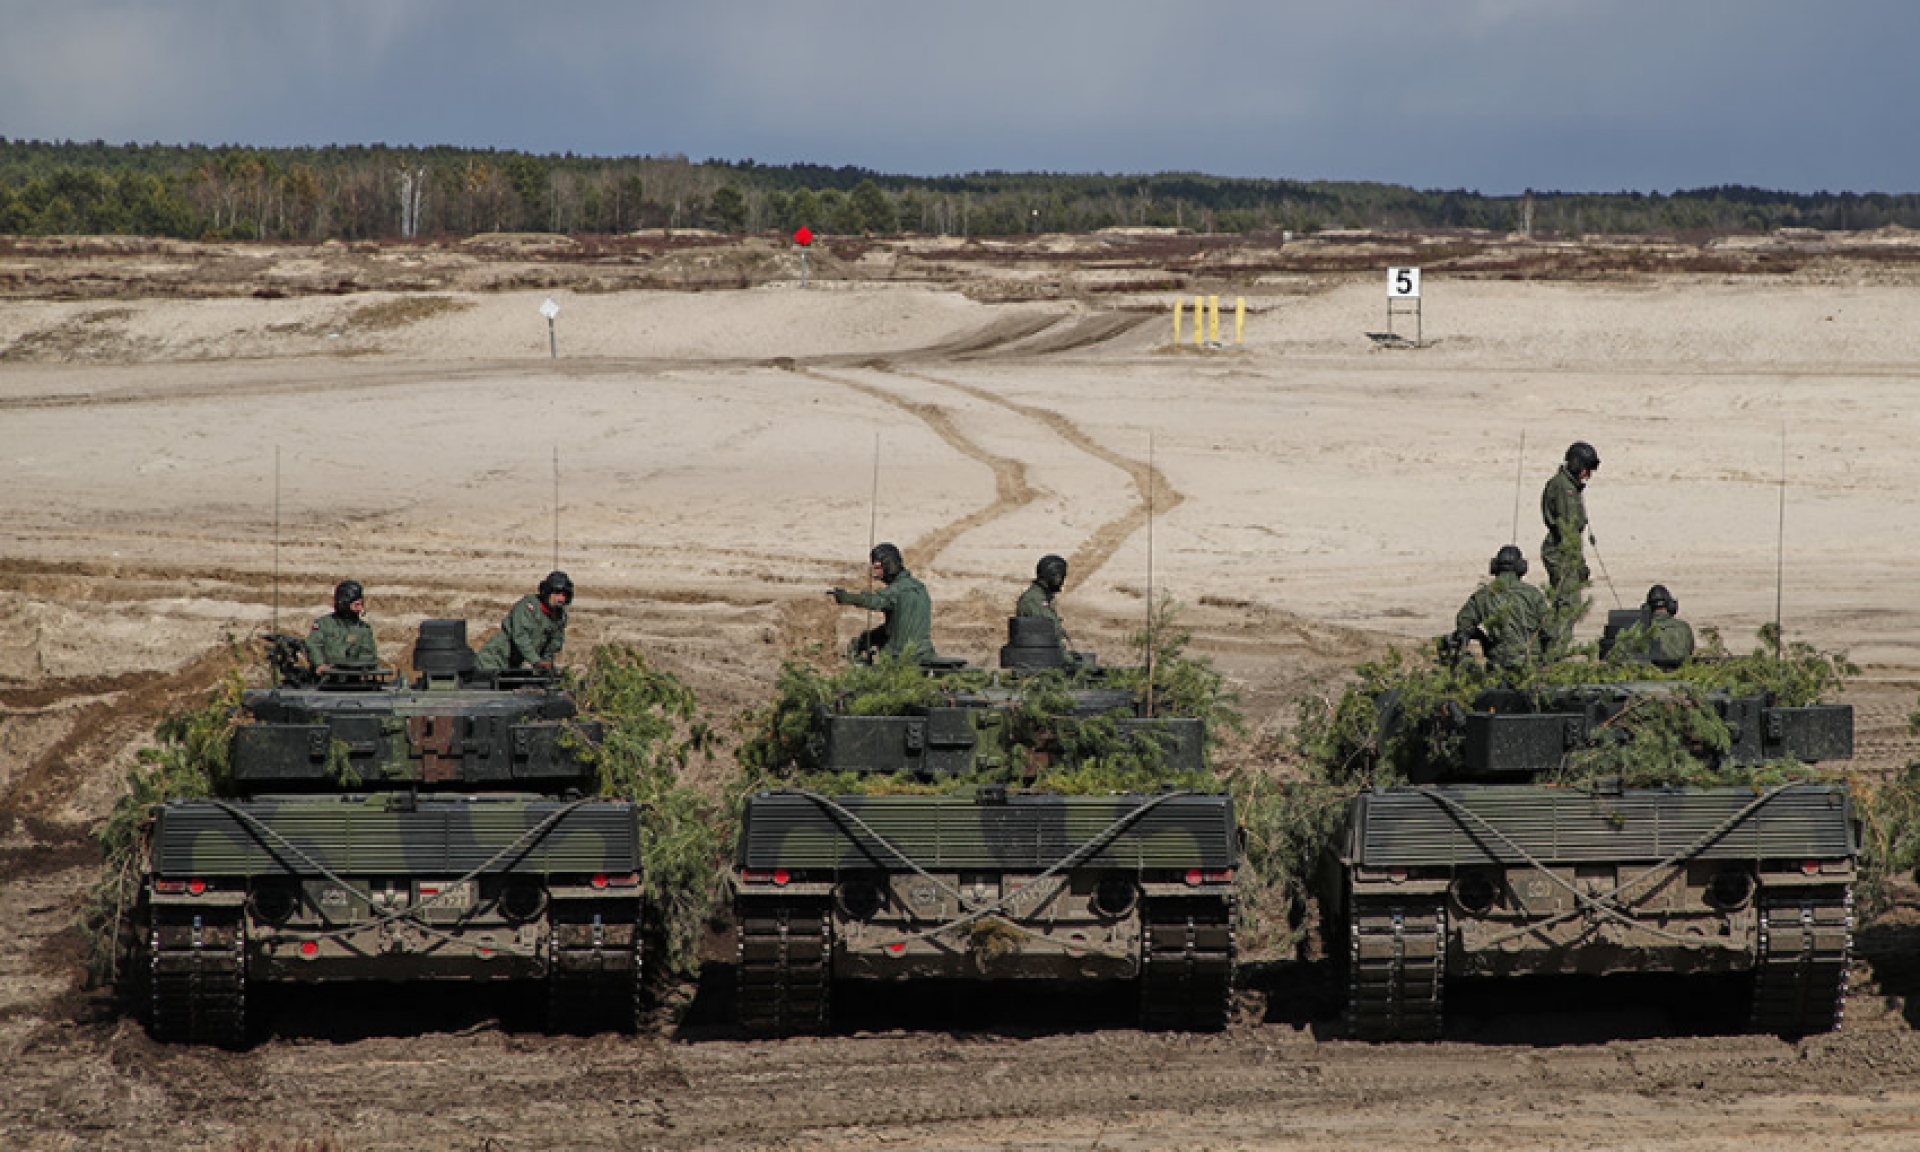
{"x": 179, "y": 469}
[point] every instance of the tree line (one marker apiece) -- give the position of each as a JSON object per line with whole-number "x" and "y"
{"x": 378, "y": 192}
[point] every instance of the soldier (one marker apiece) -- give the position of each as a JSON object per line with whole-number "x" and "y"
{"x": 1563, "y": 506}
{"x": 343, "y": 639}
{"x": 1049, "y": 577}
{"x": 908, "y": 626}
{"x": 1661, "y": 638}
{"x": 1507, "y": 616}
{"x": 533, "y": 630}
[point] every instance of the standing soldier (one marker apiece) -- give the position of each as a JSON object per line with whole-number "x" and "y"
{"x": 343, "y": 639}
{"x": 1563, "y": 505}
{"x": 1507, "y": 615}
{"x": 1049, "y": 577}
{"x": 533, "y": 630}
{"x": 908, "y": 625}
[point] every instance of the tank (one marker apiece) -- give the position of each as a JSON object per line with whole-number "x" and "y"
{"x": 375, "y": 829}
{"x": 990, "y": 876}
{"x": 1481, "y": 868}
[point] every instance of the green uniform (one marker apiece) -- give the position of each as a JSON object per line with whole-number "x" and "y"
{"x": 531, "y": 633}
{"x": 338, "y": 640}
{"x": 1564, "y": 508}
{"x": 908, "y": 628}
{"x": 1037, "y": 601}
{"x": 1512, "y": 615}
{"x": 1664, "y": 640}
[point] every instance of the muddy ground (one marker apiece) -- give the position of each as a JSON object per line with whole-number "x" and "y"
{"x": 197, "y": 441}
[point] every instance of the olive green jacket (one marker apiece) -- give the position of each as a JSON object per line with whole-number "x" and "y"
{"x": 909, "y": 615}
{"x": 1664, "y": 640}
{"x": 529, "y": 634}
{"x": 1511, "y": 614}
{"x": 1563, "y": 506}
{"x": 342, "y": 640}
{"x": 1037, "y": 601}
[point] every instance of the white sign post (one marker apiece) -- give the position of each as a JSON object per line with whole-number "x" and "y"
{"x": 1403, "y": 288}
{"x": 551, "y": 310}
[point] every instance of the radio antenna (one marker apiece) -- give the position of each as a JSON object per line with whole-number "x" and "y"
{"x": 276, "y": 537}
{"x": 873, "y": 522}
{"x": 1519, "y": 469}
{"x": 1151, "y": 475}
{"x": 1780, "y": 547}
{"x": 556, "y": 507}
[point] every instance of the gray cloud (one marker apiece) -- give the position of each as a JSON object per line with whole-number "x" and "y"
{"x": 1496, "y": 95}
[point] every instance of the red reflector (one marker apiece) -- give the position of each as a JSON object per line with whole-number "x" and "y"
{"x": 1810, "y": 866}
{"x": 1397, "y": 874}
{"x": 781, "y": 875}
{"x": 1194, "y": 876}
{"x": 169, "y": 885}
{"x": 896, "y": 948}
{"x": 599, "y": 880}
{"x": 308, "y": 948}
{"x": 630, "y": 880}
{"x": 196, "y": 886}
{"x": 1220, "y": 877}
{"x": 486, "y": 953}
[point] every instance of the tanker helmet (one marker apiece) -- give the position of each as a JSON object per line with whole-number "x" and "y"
{"x": 556, "y": 582}
{"x": 1051, "y": 572}
{"x": 1659, "y": 599}
{"x": 1508, "y": 559}
{"x": 890, "y": 561}
{"x": 1582, "y": 458}
{"x": 346, "y": 594}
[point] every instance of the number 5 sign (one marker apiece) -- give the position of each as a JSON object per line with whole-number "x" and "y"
{"x": 1403, "y": 283}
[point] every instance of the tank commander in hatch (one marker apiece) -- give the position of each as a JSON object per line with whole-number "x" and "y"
{"x": 907, "y": 627}
{"x": 1049, "y": 577}
{"x": 343, "y": 638}
{"x": 1661, "y": 638}
{"x": 533, "y": 630}
{"x": 1507, "y": 615}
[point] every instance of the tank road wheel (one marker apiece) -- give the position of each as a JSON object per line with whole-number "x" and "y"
{"x": 785, "y": 952}
{"x": 1396, "y": 965}
{"x": 197, "y": 975}
{"x": 1187, "y": 952}
{"x": 1800, "y": 969}
{"x": 594, "y": 968}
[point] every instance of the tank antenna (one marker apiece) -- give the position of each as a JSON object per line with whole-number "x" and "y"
{"x": 873, "y": 523}
{"x": 1151, "y": 474}
{"x": 1780, "y": 547}
{"x": 276, "y": 538}
{"x": 556, "y": 507}
{"x": 1519, "y": 467}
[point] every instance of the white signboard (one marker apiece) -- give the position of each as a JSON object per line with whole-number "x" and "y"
{"x": 550, "y": 309}
{"x": 1403, "y": 283}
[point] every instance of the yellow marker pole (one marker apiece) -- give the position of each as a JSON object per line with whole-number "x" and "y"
{"x": 1199, "y": 311}
{"x": 1179, "y": 303}
{"x": 1239, "y": 318}
{"x": 1213, "y": 320}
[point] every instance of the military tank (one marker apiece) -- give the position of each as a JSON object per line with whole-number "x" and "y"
{"x": 1481, "y": 868}
{"x": 988, "y": 875}
{"x": 375, "y": 829}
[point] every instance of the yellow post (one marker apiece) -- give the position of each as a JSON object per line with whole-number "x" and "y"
{"x": 1199, "y": 311}
{"x": 1179, "y": 303}
{"x": 1213, "y": 320}
{"x": 1239, "y": 318}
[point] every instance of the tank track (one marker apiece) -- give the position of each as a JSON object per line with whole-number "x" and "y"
{"x": 783, "y": 971}
{"x": 1800, "y": 969}
{"x": 1396, "y": 968}
{"x": 1187, "y": 954}
{"x": 594, "y": 984}
{"x": 197, "y": 976}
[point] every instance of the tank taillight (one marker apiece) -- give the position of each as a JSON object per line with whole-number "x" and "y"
{"x": 309, "y": 948}
{"x": 194, "y": 887}
{"x": 1810, "y": 867}
{"x": 1199, "y": 876}
{"x": 777, "y": 876}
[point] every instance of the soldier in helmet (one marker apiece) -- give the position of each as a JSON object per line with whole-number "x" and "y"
{"x": 1507, "y": 615}
{"x": 1661, "y": 638}
{"x": 533, "y": 630}
{"x": 343, "y": 639}
{"x": 1049, "y": 577}
{"x": 1563, "y": 505}
{"x": 907, "y": 627}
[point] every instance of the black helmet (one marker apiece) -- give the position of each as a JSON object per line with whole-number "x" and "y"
{"x": 1508, "y": 559}
{"x": 890, "y": 561}
{"x": 1659, "y": 598}
{"x": 345, "y": 593}
{"x": 556, "y": 582}
{"x": 1581, "y": 457}
{"x": 1051, "y": 572}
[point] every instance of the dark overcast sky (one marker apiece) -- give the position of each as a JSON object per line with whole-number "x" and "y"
{"x": 1492, "y": 95}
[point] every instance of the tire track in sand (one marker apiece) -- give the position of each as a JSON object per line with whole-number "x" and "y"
{"x": 1011, "y": 489}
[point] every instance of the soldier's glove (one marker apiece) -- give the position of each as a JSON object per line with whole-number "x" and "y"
{"x": 839, "y": 595}
{"x": 1452, "y": 647}
{"x": 1586, "y": 574}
